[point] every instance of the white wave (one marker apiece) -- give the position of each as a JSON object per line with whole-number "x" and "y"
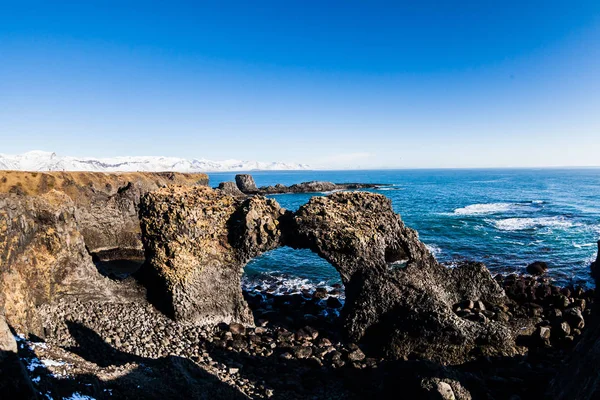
{"x": 279, "y": 284}
{"x": 537, "y": 201}
{"x": 518, "y": 224}
{"x": 433, "y": 249}
{"x": 486, "y": 208}
{"x": 579, "y": 246}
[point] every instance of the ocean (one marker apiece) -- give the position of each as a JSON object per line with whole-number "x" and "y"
{"x": 505, "y": 218}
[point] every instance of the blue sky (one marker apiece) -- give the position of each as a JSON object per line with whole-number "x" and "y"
{"x": 334, "y": 84}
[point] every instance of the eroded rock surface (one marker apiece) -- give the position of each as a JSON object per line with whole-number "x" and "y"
{"x": 42, "y": 257}
{"x": 197, "y": 242}
{"x": 399, "y": 300}
{"x": 105, "y": 203}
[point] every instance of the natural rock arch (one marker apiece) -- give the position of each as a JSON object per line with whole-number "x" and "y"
{"x": 197, "y": 241}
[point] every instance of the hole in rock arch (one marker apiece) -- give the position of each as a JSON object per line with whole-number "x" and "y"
{"x": 118, "y": 264}
{"x": 294, "y": 286}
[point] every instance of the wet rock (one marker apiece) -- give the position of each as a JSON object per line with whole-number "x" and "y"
{"x": 537, "y": 268}
{"x": 334, "y": 302}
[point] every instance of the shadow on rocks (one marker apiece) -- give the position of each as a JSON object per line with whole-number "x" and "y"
{"x": 169, "y": 377}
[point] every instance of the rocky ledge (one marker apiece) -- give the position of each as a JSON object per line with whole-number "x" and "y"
{"x": 246, "y": 185}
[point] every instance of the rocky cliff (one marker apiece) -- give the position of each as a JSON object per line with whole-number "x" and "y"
{"x": 399, "y": 300}
{"x": 42, "y": 257}
{"x": 105, "y": 203}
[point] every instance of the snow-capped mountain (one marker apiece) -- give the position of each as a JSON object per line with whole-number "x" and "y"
{"x": 47, "y": 161}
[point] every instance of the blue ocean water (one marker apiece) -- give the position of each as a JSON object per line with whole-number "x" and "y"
{"x": 503, "y": 218}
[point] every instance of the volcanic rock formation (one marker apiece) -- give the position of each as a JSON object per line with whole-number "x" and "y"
{"x": 399, "y": 300}
{"x": 197, "y": 242}
{"x": 42, "y": 257}
{"x": 105, "y": 204}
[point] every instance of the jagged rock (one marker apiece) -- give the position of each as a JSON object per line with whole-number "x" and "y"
{"x": 105, "y": 203}
{"x": 231, "y": 189}
{"x": 43, "y": 257}
{"x": 197, "y": 241}
{"x": 14, "y": 380}
{"x": 246, "y": 183}
{"x": 395, "y": 289}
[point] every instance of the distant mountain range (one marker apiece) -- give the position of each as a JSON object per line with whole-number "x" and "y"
{"x": 47, "y": 161}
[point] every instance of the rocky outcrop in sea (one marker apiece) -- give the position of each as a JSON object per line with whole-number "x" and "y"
{"x": 245, "y": 183}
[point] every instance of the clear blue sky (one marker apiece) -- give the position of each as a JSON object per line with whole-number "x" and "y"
{"x": 344, "y": 84}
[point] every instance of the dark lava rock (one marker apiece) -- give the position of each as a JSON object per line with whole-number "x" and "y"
{"x": 245, "y": 183}
{"x": 537, "y": 268}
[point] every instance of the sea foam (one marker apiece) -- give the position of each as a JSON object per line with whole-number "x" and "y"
{"x": 518, "y": 224}
{"x": 486, "y": 208}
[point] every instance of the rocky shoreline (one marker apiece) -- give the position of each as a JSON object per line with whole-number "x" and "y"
{"x": 183, "y": 324}
{"x": 296, "y": 350}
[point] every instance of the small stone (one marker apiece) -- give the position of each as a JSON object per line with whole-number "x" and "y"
{"x": 302, "y": 351}
{"x": 562, "y": 329}
{"x": 237, "y": 329}
{"x": 574, "y": 317}
{"x": 543, "y": 332}
{"x": 356, "y": 355}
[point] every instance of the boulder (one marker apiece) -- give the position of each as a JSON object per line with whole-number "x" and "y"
{"x": 106, "y": 204}
{"x": 43, "y": 257}
{"x": 197, "y": 241}
{"x": 537, "y": 268}
{"x": 246, "y": 183}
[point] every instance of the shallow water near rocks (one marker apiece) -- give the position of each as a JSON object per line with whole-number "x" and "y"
{"x": 504, "y": 218}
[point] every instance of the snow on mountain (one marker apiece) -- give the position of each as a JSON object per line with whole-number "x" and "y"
{"x": 47, "y": 161}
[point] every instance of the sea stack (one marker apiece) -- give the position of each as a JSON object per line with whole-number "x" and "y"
{"x": 245, "y": 183}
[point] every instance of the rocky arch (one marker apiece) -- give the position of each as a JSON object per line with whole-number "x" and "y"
{"x": 197, "y": 241}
